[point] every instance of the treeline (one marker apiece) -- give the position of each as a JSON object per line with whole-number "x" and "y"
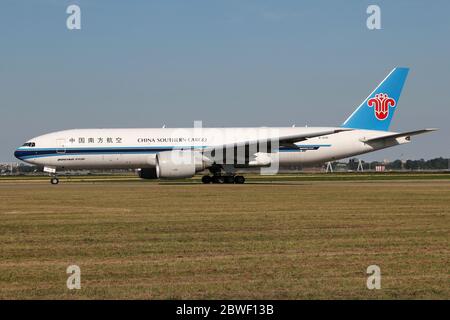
{"x": 432, "y": 164}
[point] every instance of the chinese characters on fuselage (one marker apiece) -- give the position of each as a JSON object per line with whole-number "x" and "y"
{"x": 98, "y": 140}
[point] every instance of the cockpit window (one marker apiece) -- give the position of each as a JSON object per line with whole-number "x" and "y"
{"x": 29, "y": 144}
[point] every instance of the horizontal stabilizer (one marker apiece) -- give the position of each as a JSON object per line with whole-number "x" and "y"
{"x": 399, "y": 135}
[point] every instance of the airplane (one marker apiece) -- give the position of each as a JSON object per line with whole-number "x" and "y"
{"x": 165, "y": 153}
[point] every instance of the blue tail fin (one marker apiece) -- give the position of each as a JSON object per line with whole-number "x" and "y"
{"x": 376, "y": 112}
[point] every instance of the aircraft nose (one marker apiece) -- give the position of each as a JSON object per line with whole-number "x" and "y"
{"x": 18, "y": 154}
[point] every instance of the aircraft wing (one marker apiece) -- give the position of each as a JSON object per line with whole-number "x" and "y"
{"x": 286, "y": 141}
{"x": 399, "y": 135}
{"x": 289, "y": 141}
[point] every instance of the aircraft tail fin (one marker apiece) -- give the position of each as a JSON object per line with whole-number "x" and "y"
{"x": 377, "y": 110}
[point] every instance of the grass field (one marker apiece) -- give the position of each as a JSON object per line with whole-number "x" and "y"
{"x": 252, "y": 178}
{"x": 294, "y": 240}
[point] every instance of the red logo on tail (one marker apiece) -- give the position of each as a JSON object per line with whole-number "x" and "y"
{"x": 381, "y": 103}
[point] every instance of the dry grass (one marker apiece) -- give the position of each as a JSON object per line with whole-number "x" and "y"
{"x": 299, "y": 240}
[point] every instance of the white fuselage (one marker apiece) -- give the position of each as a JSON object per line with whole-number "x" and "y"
{"x": 137, "y": 148}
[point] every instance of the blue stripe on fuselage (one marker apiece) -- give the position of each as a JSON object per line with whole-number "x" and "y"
{"x": 39, "y": 153}
{"x": 31, "y": 153}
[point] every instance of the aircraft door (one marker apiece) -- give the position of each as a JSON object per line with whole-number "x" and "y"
{"x": 61, "y": 146}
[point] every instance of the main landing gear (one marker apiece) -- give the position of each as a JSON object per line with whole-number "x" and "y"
{"x": 223, "y": 179}
{"x": 54, "y": 180}
{"x": 217, "y": 177}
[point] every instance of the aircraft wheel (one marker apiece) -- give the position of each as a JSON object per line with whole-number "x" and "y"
{"x": 206, "y": 179}
{"x": 229, "y": 179}
{"x": 239, "y": 179}
{"x": 54, "y": 180}
{"x": 217, "y": 179}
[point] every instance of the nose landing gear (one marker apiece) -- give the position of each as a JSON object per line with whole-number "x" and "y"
{"x": 52, "y": 172}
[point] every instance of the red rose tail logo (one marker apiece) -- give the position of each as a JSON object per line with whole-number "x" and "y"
{"x": 381, "y": 103}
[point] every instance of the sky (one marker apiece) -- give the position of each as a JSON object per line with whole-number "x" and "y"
{"x": 225, "y": 62}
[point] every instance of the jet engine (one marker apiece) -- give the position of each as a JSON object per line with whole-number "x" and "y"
{"x": 148, "y": 173}
{"x": 178, "y": 164}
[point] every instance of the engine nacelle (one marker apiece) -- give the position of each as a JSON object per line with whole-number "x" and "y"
{"x": 178, "y": 164}
{"x": 148, "y": 173}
